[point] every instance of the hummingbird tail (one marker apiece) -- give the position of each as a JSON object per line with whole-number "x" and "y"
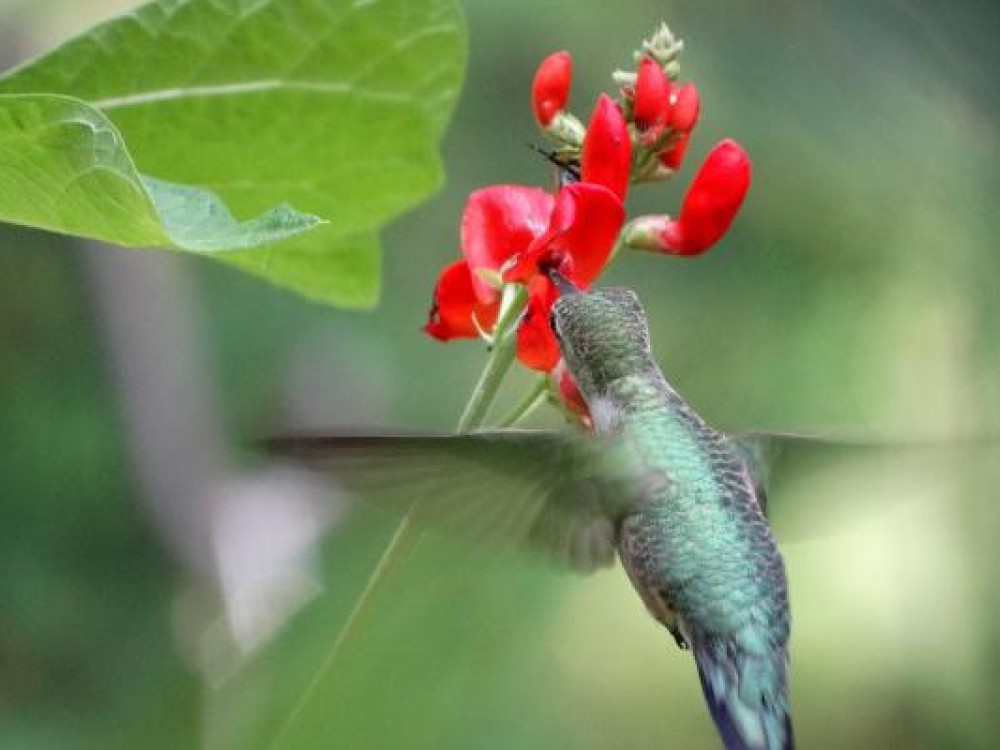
{"x": 745, "y": 682}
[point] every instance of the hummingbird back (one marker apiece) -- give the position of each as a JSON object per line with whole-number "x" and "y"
{"x": 704, "y": 560}
{"x": 695, "y": 544}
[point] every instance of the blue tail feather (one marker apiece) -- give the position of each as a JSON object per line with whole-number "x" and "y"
{"x": 745, "y": 684}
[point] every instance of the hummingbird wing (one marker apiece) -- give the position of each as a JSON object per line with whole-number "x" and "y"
{"x": 774, "y": 458}
{"x": 534, "y": 491}
{"x": 759, "y": 451}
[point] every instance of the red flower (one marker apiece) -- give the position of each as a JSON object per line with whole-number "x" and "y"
{"x": 550, "y": 89}
{"x": 652, "y": 94}
{"x": 711, "y": 203}
{"x": 499, "y": 222}
{"x": 606, "y": 155}
{"x": 521, "y": 232}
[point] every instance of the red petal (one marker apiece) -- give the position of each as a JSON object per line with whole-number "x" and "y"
{"x": 675, "y": 156}
{"x": 711, "y": 202}
{"x": 499, "y": 222}
{"x": 550, "y": 88}
{"x": 581, "y": 234}
{"x": 537, "y": 347}
{"x": 652, "y": 94}
{"x": 456, "y": 309}
{"x": 684, "y": 111}
{"x": 590, "y": 238}
{"x": 606, "y": 156}
{"x": 569, "y": 392}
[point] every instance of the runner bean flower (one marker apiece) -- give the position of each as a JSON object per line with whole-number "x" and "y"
{"x": 514, "y": 236}
{"x": 515, "y": 233}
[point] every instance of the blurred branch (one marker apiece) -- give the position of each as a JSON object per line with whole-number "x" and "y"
{"x": 147, "y": 316}
{"x": 248, "y": 536}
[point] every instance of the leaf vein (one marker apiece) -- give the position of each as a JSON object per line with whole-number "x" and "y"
{"x": 250, "y": 87}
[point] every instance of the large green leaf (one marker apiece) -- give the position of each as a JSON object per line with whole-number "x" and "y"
{"x": 333, "y": 106}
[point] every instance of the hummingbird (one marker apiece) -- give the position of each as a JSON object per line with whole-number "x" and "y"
{"x": 681, "y": 505}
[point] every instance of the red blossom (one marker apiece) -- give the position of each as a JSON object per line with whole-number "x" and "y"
{"x": 524, "y": 231}
{"x": 606, "y": 156}
{"x": 457, "y": 311}
{"x": 550, "y": 88}
{"x": 537, "y": 347}
{"x": 652, "y": 94}
{"x": 711, "y": 203}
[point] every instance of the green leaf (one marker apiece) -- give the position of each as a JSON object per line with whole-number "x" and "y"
{"x": 333, "y": 106}
{"x": 64, "y": 167}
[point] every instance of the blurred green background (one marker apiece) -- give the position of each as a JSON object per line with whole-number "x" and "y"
{"x": 858, "y": 291}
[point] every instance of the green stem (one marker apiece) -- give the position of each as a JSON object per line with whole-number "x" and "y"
{"x": 619, "y": 242}
{"x": 402, "y": 540}
{"x": 501, "y": 358}
{"x": 528, "y": 403}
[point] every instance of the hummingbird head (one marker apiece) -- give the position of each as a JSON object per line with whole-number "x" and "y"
{"x": 603, "y": 336}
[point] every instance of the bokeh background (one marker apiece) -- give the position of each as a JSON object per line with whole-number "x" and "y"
{"x": 160, "y": 585}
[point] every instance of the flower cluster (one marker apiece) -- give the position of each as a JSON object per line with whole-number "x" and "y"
{"x": 516, "y": 234}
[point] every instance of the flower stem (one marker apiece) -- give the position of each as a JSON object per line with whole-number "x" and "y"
{"x": 486, "y": 389}
{"x": 501, "y": 358}
{"x": 528, "y": 403}
{"x": 619, "y": 242}
{"x": 402, "y": 540}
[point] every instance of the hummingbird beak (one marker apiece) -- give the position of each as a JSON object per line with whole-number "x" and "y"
{"x": 564, "y": 285}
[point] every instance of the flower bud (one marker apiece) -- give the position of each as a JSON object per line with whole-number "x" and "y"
{"x": 550, "y": 88}
{"x": 684, "y": 108}
{"x": 652, "y": 94}
{"x": 674, "y": 156}
{"x": 712, "y": 201}
{"x": 606, "y": 157}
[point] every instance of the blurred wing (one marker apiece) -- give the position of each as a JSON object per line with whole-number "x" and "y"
{"x": 536, "y": 491}
{"x": 774, "y": 458}
{"x": 758, "y": 452}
